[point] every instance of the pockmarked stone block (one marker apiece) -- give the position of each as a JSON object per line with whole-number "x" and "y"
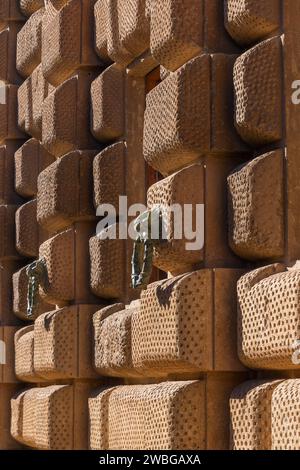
{"x": 65, "y": 191}
{"x": 20, "y": 291}
{"x": 107, "y": 111}
{"x": 248, "y": 21}
{"x": 112, "y": 341}
{"x": 107, "y": 258}
{"x": 165, "y": 416}
{"x": 173, "y": 254}
{"x": 65, "y": 116}
{"x": 251, "y": 415}
{"x": 27, "y": 230}
{"x": 268, "y": 299}
{"x": 30, "y": 159}
{"x": 285, "y": 416}
{"x": 31, "y": 96}
{"x": 7, "y": 233}
{"x": 7, "y": 391}
{"x": 8, "y": 114}
{"x": 24, "y": 355}
{"x": 8, "y": 44}
{"x": 109, "y": 175}
{"x": 258, "y": 93}
{"x": 8, "y": 194}
{"x": 29, "y": 44}
{"x": 67, "y": 41}
{"x": 43, "y": 417}
{"x": 256, "y": 208}
{"x": 8, "y": 268}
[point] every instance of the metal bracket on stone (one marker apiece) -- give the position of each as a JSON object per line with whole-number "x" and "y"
{"x": 37, "y": 276}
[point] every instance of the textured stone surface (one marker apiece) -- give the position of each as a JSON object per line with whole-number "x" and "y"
{"x": 8, "y": 113}
{"x": 8, "y": 268}
{"x": 65, "y": 191}
{"x": 269, "y": 317}
{"x": 7, "y": 189}
{"x": 171, "y": 254}
{"x": 285, "y": 416}
{"x": 166, "y": 416}
{"x": 24, "y": 350}
{"x": 27, "y": 230}
{"x": 29, "y": 44}
{"x": 65, "y": 117}
{"x": 7, "y": 391}
{"x": 107, "y": 258}
{"x": 247, "y": 21}
{"x": 256, "y": 208}
{"x": 109, "y": 175}
{"x": 258, "y": 82}
{"x": 31, "y": 96}
{"x": 20, "y": 289}
{"x": 67, "y": 43}
{"x": 9, "y": 11}
{"x": 30, "y": 160}
{"x": 107, "y": 95}
{"x": 7, "y": 233}
{"x": 28, "y": 7}
{"x": 8, "y": 41}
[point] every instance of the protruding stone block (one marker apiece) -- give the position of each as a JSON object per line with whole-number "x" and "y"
{"x": 8, "y": 113}
{"x": 29, "y": 44}
{"x": 27, "y": 230}
{"x": 8, "y": 44}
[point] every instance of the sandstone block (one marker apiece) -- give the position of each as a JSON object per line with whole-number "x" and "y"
{"x": 7, "y": 173}
{"x": 8, "y": 114}
{"x": 29, "y": 44}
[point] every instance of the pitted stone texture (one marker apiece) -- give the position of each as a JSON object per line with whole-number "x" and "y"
{"x": 107, "y": 95}
{"x": 250, "y": 410}
{"x": 65, "y": 116}
{"x": 269, "y": 318}
{"x": 28, "y": 7}
{"x": 102, "y": 24}
{"x": 43, "y": 417}
{"x": 171, "y": 254}
{"x": 248, "y": 21}
{"x": 258, "y": 82}
{"x": 30, "y": 160}
{"x": 8, "y": 113}
{"x": 67, "y": 43}
{"x": 176, "y": 31}
{"x": 109, "y": 175}
{"x": 27, "y": 230}
{"x": 177, "y": 117}
{"x": 29, "y": 44}
{"x": 107, "y": 265}
{"x": 165, "y": 416}
{"x": 31, "y": 96}
{"x": 65, "y": 191}
{"x": 285, "y": 416}
{"x": 7, "y": 233}
{"x": 112, "y": 341}
{"x": 24, "y": 353}
{"x": 7, "y": 391}
{"x": 256, "y": 208}
{"x": 59, "y": 255}
{"x": 8, "y": 268}
{"x": 20, "y": 289}
{"x": 8, "y": 44}
{"x": 7, "y": 177}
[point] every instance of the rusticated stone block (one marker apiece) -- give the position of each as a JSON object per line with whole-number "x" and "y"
{"x": 256, "y": 208}
{"x": 258, "y": 83}
{"x": 63, "y": 343}
{"x": 285, "y": 416}
{"x": 20, "y": 289}
{"x": 8, "y": 44}
{"x": 67, "y": 43}
{"x": 65, "y": 191}
{"x": 65, "y": 117}
{"x": 189, "y": 114}
{"x": 176, "y": 31}
{"x": 107, "y": 94}
{"x": 31, "y": 96}
{"x": 8, "y": 268}
{"x": 269, "y": 317}
{"x": 8, "y": 113}
{"x": 109, "y": 175}
{"x": 248, "y": 21}
{"x": 102, "y": 17}
{"x": 250, "y": 410}
{"x": 112, "y": 341}
{"x": 7, "y": 190}
{"x": 30, "y": 160}
{"x": 59, "y": 255}
{"x": 43, "y": 417}
{"x": 107, "y": 258}
{"x": 29, "y": 44}
{"x": 7, "y": 391}
{"x": 27, "y": 230}
{"x": 172, "y": 254}
{"x": 24, "y": 354}
{"x": 7, "y": 233}
{"x": 163, "y": 416}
